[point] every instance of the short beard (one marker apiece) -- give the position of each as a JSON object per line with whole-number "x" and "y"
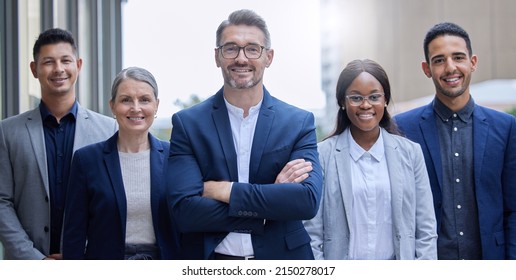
{"x": 453, "y": 94}
{"x": 249, "y": 84}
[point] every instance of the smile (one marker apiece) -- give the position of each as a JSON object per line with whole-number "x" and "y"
{"x": 365, "y": 116}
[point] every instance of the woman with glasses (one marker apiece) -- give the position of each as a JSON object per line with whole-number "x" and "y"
{"x": 376, "y": 202}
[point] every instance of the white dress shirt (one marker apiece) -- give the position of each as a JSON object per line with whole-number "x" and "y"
{"x": 371, "y": 235}
{"x": 240, "y": 244}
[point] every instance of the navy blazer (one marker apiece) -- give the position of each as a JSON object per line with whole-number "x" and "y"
{"x": 494, "y": 142}
{"x": 202, "y": 149}
{"x": 96, "y": 209}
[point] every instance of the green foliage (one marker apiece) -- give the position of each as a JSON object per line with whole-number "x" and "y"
{"x": 512, "y": 111}
{"x": 194, "y": 99}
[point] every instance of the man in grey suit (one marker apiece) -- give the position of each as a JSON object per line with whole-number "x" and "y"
{"x": 36, "y": 149}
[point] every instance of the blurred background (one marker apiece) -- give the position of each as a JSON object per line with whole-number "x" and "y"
{"x": 313, "y": 41}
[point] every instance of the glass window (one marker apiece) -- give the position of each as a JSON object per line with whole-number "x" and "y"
{"x": 30, "y": 26}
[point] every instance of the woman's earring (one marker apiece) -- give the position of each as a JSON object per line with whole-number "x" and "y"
{"x": 343, "y": 108}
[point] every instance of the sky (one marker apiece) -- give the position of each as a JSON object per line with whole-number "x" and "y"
{"x": 175, "y": 41}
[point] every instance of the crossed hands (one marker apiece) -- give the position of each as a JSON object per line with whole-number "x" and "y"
{"x": 295, "y": 171}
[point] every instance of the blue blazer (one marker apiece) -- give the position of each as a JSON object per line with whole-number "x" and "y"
{"x": 96, "y": 209}
{"x": 494, "y": 142}
{"x": 202, "y": 149}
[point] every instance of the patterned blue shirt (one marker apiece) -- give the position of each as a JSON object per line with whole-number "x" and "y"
{"x": 459, "y": 234}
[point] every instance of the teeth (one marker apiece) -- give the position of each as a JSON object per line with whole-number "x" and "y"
{"x": 365, "y": 116}
{"x": 136, "y": 119}
{"x": 452, "y": 80}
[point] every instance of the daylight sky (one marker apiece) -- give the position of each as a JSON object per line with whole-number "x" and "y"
{"x": 175, "y": 40}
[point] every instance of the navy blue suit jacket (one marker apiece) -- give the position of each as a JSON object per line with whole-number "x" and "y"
{"x": 202, "y": 149}
{"x": 96, "y": 209}
{"x": 494, "y": 142}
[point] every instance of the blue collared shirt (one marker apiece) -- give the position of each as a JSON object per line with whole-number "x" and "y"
{"x": 459, "y": 233}
{"x": 59, "y": 139}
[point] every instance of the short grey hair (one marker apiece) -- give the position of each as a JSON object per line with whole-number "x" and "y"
{"x": 244, "y": 17}
{"x": 137, "y": 74}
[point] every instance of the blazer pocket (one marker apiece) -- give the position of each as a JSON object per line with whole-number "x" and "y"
{"x": 499, "y": 238}
{"x": 297, "y": 238}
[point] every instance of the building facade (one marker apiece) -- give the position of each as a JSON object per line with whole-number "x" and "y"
{"x": 96, "y": 25}
{"x": 391, "y": 32}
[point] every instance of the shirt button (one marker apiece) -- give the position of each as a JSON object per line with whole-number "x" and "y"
{"x": 457, "y": 180}
{"x": 45, "y": 229}
{"x": 455, "y": 129}
{"x": 461, "y": 233}
{"x": 454, "y": 115}
{"x": 456, "y": 154}
{"x": 459, "y": 207}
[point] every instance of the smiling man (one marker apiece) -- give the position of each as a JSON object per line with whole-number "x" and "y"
{"x": 36, "y": 149}
{"x": 470, "y": 154}
{"x": 243, "y": 167}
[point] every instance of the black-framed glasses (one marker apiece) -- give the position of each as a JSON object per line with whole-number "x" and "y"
{"x": 373, "y": 99}
{"x": 251, "y": 51}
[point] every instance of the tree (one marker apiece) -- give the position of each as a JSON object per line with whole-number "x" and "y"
{"x": 512, "y": 111}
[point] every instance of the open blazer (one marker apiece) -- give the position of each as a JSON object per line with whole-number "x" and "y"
{"x": 414, "y": 228}
{"x": 96, "y": 209}
{"x": 24, "y": 190}
{"x": 202, "y": 149}
{"x": 494, "y": 154}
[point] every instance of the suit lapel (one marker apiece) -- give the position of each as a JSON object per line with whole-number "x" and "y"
{"x": 480, "y": 132}
{"x": 37, "y": 137}
{"x": 223, "y": 127}
{"x": 157, "y": 159}
{"x": 428, "y": 129}
{"x": 262, "y": 132}
{"x": 112, "y": 162}
{"x": 396, "y": 175}
{"x": 342, "y": 161}
{"x": 82, "y": 129}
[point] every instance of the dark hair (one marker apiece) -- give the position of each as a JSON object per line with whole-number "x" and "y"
{"x": 137, "y": 74}
{"x": 347, "y": 76}
{"x": 445, "y": 28}
{"x": 244, "y": 17}
{"x": 53, "y": 36}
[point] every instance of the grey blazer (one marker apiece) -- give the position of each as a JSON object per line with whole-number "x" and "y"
{"x": 24, "y": 190}
{"x": 414, "y": 226}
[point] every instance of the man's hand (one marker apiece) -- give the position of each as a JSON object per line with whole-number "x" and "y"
{"x": 295, "y": 171}
{"x": 54, "y": 257}
{"x": 220, "y": 191}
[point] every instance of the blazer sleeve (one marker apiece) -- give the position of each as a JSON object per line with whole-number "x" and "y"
{"x": 426, "y": 226}
{"x": 12, "y": 234}
{"x": 193, "y": 212}
{"x": 287, "y": 201}
{"x": 75, "y": 226}
{"x": 509, "y": 192}
{"x": 315, "y": 226}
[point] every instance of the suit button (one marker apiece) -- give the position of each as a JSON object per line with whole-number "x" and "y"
{"x": 239, "y": 213}
{"x": 45, "y": 229}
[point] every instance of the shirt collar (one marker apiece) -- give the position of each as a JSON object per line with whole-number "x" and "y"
{"x": 239, "y": 112}
{"x": 446, "y": 113}
{"x": 377, "y": 151}
{"x": 45, "y": 113}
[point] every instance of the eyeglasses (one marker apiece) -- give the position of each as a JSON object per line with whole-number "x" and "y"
{"x": 373, "y": 99}
{"x": 251, "y": 51}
